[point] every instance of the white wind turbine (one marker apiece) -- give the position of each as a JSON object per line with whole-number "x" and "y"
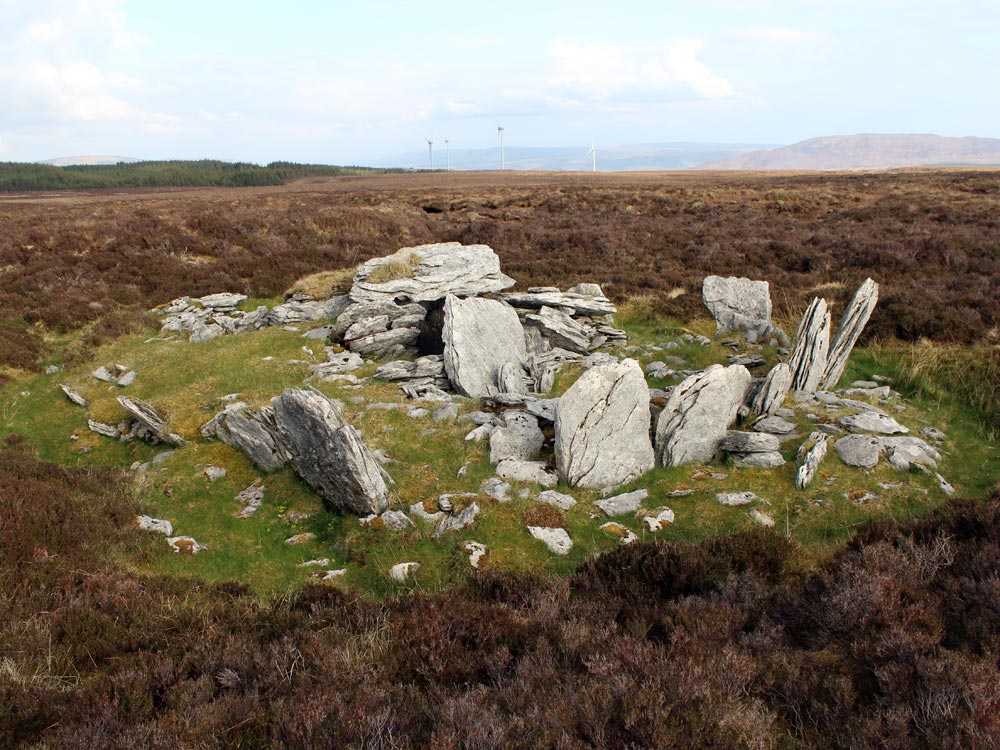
{"x": 447, "y": 150}
{"x": 593, "y": 153}
{"x": 430, "y": 151}
{"x": 500, "y": 131}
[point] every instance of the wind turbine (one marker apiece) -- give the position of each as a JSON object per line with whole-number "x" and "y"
{"x": 593, "y": 152}
{"x": 447, "y": 149}
{"x": 500, "y": 131}
{"x": 430, "y": 151}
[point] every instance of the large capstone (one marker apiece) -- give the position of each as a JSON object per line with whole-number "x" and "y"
{"x": 430, "y": 272}
{"x": 479, "y": 336}
{"x": 812, "y": 344}
{"x": 602, "y": 427}
{"x": 738, "y": 304}
{"x": 855, "y": 319}
{"x": 329, "y": 454}
{"x": 698, "y": 413}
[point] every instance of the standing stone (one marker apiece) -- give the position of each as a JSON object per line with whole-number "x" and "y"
{"x": 811, "y": 454}
{"x": 329, "y": 454}
{"x": 812, "y": 344}
{"x": 698, "y": 413}
{"x": 738, "y": 305}
{"x": 773, "y": 391}
{"x": 602, "y": 427}
{"x": 519, "y": 437}
{"x": 479, "y": 336}
{"x": 855, "y": 319}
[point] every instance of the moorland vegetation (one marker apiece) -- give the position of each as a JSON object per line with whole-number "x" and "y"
{"x": 729, "y": 637}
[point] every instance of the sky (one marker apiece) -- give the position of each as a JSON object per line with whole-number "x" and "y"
{"x": 357, "y": 81}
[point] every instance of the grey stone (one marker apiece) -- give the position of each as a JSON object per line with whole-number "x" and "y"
{"x": 418, "y": 510}
{"x": 103, "y": 373}
{"x": 558, "y": 499}
{"x": 658, "y": 370}
{"x": 127, "y": 379}
{"x": 221, "y": 301}
{"x": 527, "y": 471}
{"x": 543, "y": 408}
{"x": 156, "y": 525}
{"x": 588, "y": 289}
{"x": 812, "y": 344}
{"x": 460, "y": 520}
{"x": 202, "y": 332}
{"x": 146, "y": 415}
{"x": 496, "y": 488}
{"x": 417, "y": 412}
{"x": 432, "y": 272}
{"x": 73, "y": 396}
{"x": 749, "y": 442}
{"x": 561, "y": 329}
{"x": 811, "y": 454}
{"x": 619, "y": 505}
{"x": 698, "y": 413}
{"x": 106, "y": 430}
{"x": 773, "y": 390}
{"x": 401, "y": 571}
{"x": 52, "y": 369}
{"x": 602, "y": 427}
{"x": 761, "y": 518}
{"x": 871, "y": 421}
{"x": 251, "y": 432}
{"x": 214, "y": 473}
{"x": 879, "y": 392}
{"x": 581, "y": 304}
{"x": 853, "y": 323}
{"x": 774, "y": 426}
{"x": 655, "y": 521}
{"x": 736, "y": 498}
{"x": 764, "y": 460}
{"x": 557, "y": 540}
{"x": 319, "y": 334}
{"x": 185, "y": 545}
{"x": 301, "y": 312}
{"x": 738, "y": 304}
{"x": 251, "y": 499}
{"x": 480, "y": 433}
{"x": 518, "y": 437}
{"x": 859, "y": 450}
{"x": 933, "y": 433}
{"x": 397, "y": 520}
{"x": 430, "y": 367}
{"x": 903, "y": 452}
{"x": 329, "y": 454}
{"x": 445, "y": 413}
{"x": 479, "y": 336}
{"x": 384, "y": 343}
{"x": 512, "y": 378}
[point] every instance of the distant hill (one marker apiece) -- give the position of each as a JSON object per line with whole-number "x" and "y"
{"x": 627, "y": 158}
{"x": 72, "y": 161}
{"x": 869, "y": 151}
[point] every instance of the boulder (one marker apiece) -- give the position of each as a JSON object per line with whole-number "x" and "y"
{"x": 774, "y": 426}
{"x": 602, "y": 427}
{"x": 752, "y": 449}
{"x": 698, "y": 413}
{"x": 301, "y": 312}
{"x": 561, "y": 329}
{"x": 736, "y": 498}
{"x": 251, "y": 432}
{"x": 329, "y": 454}
{"x": 221, "y": 301}
{"x": 558, "y": 499}
{"x": 156, "y": 525}
{"x": 397, "y": 520}
{"x": 107, "y": 430}
{"x": 518, "y": 437}
{"x": 853, "y": 323}
{"x": 812, "y": 344}
{"x": 859, "y": 450}
{"x": 772, "y": 392}
{"x": 479, "y": 336}
{"x": 811, "y": 454}
{"x": 903, "y": 452}
{"x": 557, "y": 540}
{"x": 738, "y": 304}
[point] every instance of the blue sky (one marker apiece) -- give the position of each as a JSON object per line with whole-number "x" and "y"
{"x": 345, "y": 81}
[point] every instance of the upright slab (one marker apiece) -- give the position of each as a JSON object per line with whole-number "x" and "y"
{"x": 602, "y": 427}
{"x": 738, "y": 304}
{"x": 855, "y": 319}
{"x": 479, "y": 336}
{"x": 812, "y": 345}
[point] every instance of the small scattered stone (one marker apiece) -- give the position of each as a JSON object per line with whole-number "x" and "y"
{"x": 418, "y": 510}
{"x": 860, "y": 497}
{"x": 933, "y": 433}
{"x": 401, "y": 571}
{"x": 655, "y": 521}
{"x": 774, "y": 426}
{"x": 214, "y": 473}
{"x": 185, "y": 545}
{"x": 477, "y": 551}
{"x": 156, "y": 525}
{"x": 736, "y": 498}
{"x": 73, "y": 396}
{"x": 557, "y": 540}
{"x": 303, "y": 538}
{"x": 624, "y": 534}
{"x": 103, "y": 373}
{"x": 445, "y": 413}
{"x": 251, "y": 499}
{"x": 871, "y": 421}
{"x": 496, "y": 488}
{"x": 619, "y": 505}
{"x": 527, "y": 471}
{"x": 330, "y": 575}
{"x": 52, "y": 369}
{"x": 762, "y": 518}
{"x": 417, "y": 412}
{"x": 127, "y": 379}
{"x": 318, "y": 562}
{"x": 459, "y": 521}
{"x": 558, "y": 499}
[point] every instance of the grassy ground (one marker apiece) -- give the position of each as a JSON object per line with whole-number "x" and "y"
{"x": 186, "y": 384}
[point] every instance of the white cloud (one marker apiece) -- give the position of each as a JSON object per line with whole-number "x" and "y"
{"x": 779, "y": 35}
{"x": 672, "y": 70}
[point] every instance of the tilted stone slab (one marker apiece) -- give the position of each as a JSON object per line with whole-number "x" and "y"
{"x": 329, "y": 454}
{"x": 773, "y": 390}
{"x": 698, "y": 413}
{"x": 581, "y": 304}
{"x": 855, "y": 319}
{"x": 479, "y": 336}
{"x": 602, "y": 427}
{"x": 146, "y": 415}
{"x": 811, "y": 455}
{"x": 738, "y": 304}
{"x": 253, "y": 433}
{"x": 812, "y": 345}
{"x": 428, "y": 273}
{"x": 562, "y": 330}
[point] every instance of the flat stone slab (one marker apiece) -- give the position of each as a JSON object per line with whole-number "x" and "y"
{"x": 871, "y": 421}
{"x": 558, "y": 499}
{"x": 736, "y": 498}
{"x": 527, "y": 471}
{"x": 557, "y": 540}
{"x": 619, "y": 505}
{"x": 859, "y": 450}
